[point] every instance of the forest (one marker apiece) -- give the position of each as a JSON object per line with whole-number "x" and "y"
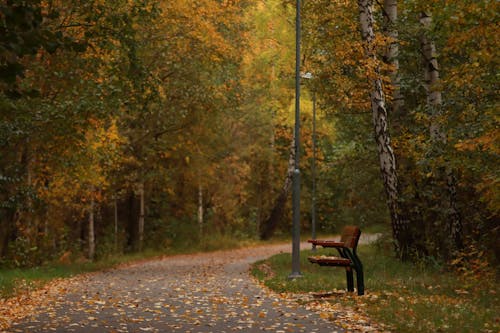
{"x": 128, "y": 125}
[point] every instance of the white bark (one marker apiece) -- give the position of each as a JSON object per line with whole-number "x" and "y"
{"x": 200, "y": 208}
{"x": 291, "y": 167}
{"x": 392, "y": 54}
{"x": 431, "y": 79}
{"x": 434, "y": 102}
{"x": 387, "y": 159}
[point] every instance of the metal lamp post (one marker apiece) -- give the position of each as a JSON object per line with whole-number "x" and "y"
{"x": 296, "y": 172}
{"x": 313, "y": 201}
{"x": 309, "y": 76}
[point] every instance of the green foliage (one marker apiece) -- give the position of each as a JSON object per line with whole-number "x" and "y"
{"x": 100, "y": 98}
{"x": 463, "y": 34}
{"x": 351, "y": 178}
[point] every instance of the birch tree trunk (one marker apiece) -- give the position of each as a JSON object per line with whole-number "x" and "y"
{"x": 438, "y": 136}
{"x": 91, "y": 233}
{"x": 141, "y": 216}
{"x": 392, "y": 53}
{"x": 269, "y": 225}
{"x": 200, "y": 209}
{"x": 431, "y": 79}
{"x": 387, "y": 160}
{"x": 115, "y": 206}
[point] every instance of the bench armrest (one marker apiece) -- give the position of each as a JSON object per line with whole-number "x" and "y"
{"x": 327, "y": 243}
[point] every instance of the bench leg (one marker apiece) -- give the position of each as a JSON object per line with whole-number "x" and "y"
{"x": 350, "y": 279}
{"x": 360, "y": 281}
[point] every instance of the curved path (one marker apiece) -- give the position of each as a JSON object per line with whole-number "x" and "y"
{"x": 206, "y": 292}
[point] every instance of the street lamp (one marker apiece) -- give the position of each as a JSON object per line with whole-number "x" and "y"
{"x": 296, "y": 171}
{"x": 309, "y": 76}
{"x": 313, "y": 201}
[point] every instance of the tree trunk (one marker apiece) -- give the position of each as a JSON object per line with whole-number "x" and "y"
{"x": 431, "y": 79}
{"x": 7, "y": 231}
{"x": 132, "y": 229}
{"x": 200, "y": 209}
{"x": 387, "y": 160}
{"x": 260, "y": 207}
{"x": 115, "y": 206}
{"x": 141, "y": 217}
{"x": 455, "y": 220}
{"x": 268, "y": 227}
{"x": 438, "y": 136}
{"x": 31, "y": 229}
{"x": 392, "y": 53}
{"x": 91, "y": 234}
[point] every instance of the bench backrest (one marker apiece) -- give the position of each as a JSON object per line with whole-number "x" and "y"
{"x": 350, "y": 236}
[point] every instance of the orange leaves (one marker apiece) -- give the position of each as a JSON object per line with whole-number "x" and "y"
{"x": 30, "y": 302}
{"x": 489, "y": 142}
{"x": 473, "y": 267}
{"x": 195, "y": 27}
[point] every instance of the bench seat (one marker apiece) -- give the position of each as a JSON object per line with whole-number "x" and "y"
{"x": 330, "y": 261}
{"x": 326, "y": 243}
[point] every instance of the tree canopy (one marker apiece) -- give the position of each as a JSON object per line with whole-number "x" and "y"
{"x": 137, "y": 124}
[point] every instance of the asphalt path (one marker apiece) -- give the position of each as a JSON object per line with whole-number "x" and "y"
{"x": 205, "y": 292}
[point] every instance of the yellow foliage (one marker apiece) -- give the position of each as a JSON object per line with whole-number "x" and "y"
{"x": 489, "y": 142}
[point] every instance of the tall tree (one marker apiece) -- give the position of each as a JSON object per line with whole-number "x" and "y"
{"x": 268, "y": 74}
{"x": 432, "y": 84}
{"x": 386, "y": 155}
{"x": 392, "y": 53}
{"x": 269, "y": 225}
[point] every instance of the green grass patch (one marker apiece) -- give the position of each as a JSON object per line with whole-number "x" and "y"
{"x": 406, "y": 297}
{"x": 15, "y": 280}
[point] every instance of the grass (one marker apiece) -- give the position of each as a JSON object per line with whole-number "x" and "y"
{"x": 15, "y": 280}
{"x": 403, "y": 296}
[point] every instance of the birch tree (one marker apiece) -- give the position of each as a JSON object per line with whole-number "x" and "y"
{"x": 387, "y": 159}
{"x": 438, "y": 136}
{"x": 392, "y": 53}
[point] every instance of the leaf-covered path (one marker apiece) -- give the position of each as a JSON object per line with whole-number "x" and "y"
{"x": 207, "y": 292}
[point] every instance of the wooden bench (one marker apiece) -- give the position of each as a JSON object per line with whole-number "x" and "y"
{"x": 348, "y": 257}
